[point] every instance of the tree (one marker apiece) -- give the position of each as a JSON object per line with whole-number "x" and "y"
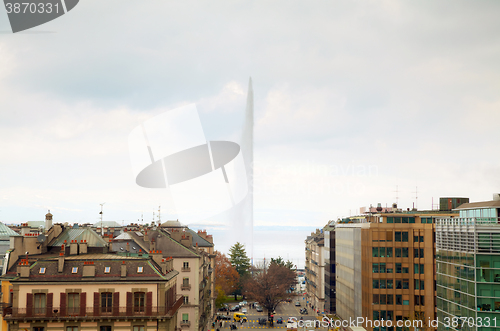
{"x": 239, "y": 259}
{"x": 270, "y": 286}
{"x": 226, "y": 276}
{"x": 288, "y": 264}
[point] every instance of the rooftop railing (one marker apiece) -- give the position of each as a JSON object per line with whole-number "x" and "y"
{"x": 468, "y": 221}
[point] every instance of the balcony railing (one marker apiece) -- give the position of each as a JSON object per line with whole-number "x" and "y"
{"x": 94, "y": 312}
{"x": 468, "y": 221}
{"x": 185, "y": 287}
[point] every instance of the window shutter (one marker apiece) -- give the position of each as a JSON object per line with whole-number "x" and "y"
{"x": 83, "y": 303}
{"x": 129, "y": 304}
{"x": 62, "y": 300}
{"x": 116, "y": 303}
{"x": 96, "y": 303}
{"x": 149, "y": 303}
{"x": 29, "y": 304}
{"x": 50, "y": 303}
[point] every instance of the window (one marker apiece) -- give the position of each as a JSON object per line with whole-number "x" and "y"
{"x": 417, "y": 300}
{"x": 74, "y": 270}
{"x": 416, "y": 283}
{"x": 390, "y": 219}
{"x": 42, "y": 270}
{"x": 406, "y": 302}
{"x": 382, "y": 283}
{"x": 421, "y": 268}
{"x": 382, "y": 268}
{"x": 415, "y": 253}
{"x": 405, "y": 236}
{"x": 185, "y": 318}
{"x": 399, "y": 284}
{"x": 406, "y": 284}
{"x": 106, "y": 302}
{"x": 375, "y": 268}
{"x": 399, "y": 299}
{"x": 38, "y": 328}
{"x": 405, "y": 251}
{"x": 72, "y": 328}
{"x": 421, "y": 253}
{"x": 382, "y": 251}
{"x": 422, "y": 285}
{"x": 389, "y": 251}
{"x": 397, "y": 237}
{"x": 40, "y": 303}
{"x": 421, "y": 300}
{"x": 186, "y": 299}
{"x": 139, "y": 301}
{"x": 390, "y": 283}
{"x": 375, "y": 299}
{"x": 421, "y": 239}
{"x": 107, "y": 270}
{"x": 73, "y": 303}
{"x": 375, "y": 283}
{"x": 383, "y": 299}
{"x": 185, "y": 265}
{"x": 415, "y": 267}
{"x": 374, "y": 251}
{"x": 105, "y": 328}
{"x": 390, "y": 299}
{"x": 398, "y": 268}
{"x": 415, "y": 239}
{"x": 138, "y": 327}
{"x": 139, "y": 270}
{"x": 406, "y": 270}
{"x": 185, "y": 281}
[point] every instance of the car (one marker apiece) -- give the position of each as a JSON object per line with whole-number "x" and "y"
{"x": 262, "y": 321}
{"x": 223, "y": 309}
{"x": 279, "y": 320}
{"x": 259, "y": 308}
{"x": 243, "y": 303}
{"x": 297, "y": 303}
{"x": 303, "y": 311}
{"x": 223, "y": 317}
{"x": 239, "y": 316}
{"x": 234, "y": 308}
{"x": 244, "y": 311}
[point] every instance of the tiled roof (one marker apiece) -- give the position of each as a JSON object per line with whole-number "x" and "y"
{"x": 92, "y": 238}
{"x": 197, "y": 239}
{"x": 482, "y": 204}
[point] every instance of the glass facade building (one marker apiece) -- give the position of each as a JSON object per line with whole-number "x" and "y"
{"x": 468, "y": 269}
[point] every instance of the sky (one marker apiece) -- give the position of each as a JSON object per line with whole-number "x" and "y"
{"x": 356, "y": 103}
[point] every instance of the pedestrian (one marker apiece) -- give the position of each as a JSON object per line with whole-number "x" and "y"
{"x": 220, "y": 324}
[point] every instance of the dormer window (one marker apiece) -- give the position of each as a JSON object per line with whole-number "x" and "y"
{"x": 74, "y": 270}
{"x": 107, "y": 270}
{"x": 42, "y": 270}
{"x": 139, "y": 270}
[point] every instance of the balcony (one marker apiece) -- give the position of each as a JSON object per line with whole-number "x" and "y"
{"x": 185, "y": 287}
{"x": 91, "y": 313}
{"x": 188, "y": 269}
{"x": 185, "y": 323}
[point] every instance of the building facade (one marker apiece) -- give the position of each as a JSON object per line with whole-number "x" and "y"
{"x": 468, "y": 268}
{"x": 330, "y": 275}
{"x": 315, "y": 270}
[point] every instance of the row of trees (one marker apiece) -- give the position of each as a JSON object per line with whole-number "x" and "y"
{"x": 267, "y": 284}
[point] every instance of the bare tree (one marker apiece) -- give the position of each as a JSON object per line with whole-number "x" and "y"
{"x": 270, "y": 285}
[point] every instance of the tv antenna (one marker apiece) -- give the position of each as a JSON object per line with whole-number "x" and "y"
{"x": 416, "y": 196}
{"x": 102, "y": 225}
{"x": 397, "y": 194}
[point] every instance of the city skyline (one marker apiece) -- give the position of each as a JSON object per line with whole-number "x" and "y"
{"x": 354, "y": 105}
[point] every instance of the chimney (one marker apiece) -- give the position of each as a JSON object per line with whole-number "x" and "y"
{"x": 73, "y": 247}
{"x": 176, "y": 235}
{"x": 48, "y": 221}
{"x": 60, "y": 266}
{"x": 110, "y": 248}
{"x": 163, "y": 266}
{"x": 146, "y": 237}
{"x": 123, "y": 269}
{"x": 24, "y": 268}
{"x": 152, "y": 244}
{"x": 156, "y": 256}
{"x": 496, "y": 196}
{"x": 186, "y": 240}
{"x": 88, "y": 269}
{"x": 128, "y": 247}
{"x": 83, "y": 246}
{"x": 24, "y": 229}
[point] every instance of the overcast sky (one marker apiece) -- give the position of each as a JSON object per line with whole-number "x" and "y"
{"x": 353, "y": 99}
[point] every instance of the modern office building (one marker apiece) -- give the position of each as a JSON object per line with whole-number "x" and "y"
{"x": 385, "y": 266}
{"x": 468, "y": 268}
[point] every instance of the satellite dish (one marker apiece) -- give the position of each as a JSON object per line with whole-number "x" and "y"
{"x": 41, "y": 238}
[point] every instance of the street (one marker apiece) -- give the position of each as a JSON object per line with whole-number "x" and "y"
{"x": 284, "y": 310}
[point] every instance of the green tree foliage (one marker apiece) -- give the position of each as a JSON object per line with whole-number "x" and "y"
{"x": 239, "y": 259}
{"x": 288, "y": 264}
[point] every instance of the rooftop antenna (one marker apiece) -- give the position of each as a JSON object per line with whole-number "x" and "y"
{"x": 159, "y": 214}
{"x": 397, "y": 195}
{"x": 416, "y": 196}
{"x": 102, "y": 225}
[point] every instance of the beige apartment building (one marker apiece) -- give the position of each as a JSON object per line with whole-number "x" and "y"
{"x": 315, "y": 270}
{"x": 78, "y": 285}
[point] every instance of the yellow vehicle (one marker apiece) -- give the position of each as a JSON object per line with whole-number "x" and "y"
{"x": 239, "y": 316}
